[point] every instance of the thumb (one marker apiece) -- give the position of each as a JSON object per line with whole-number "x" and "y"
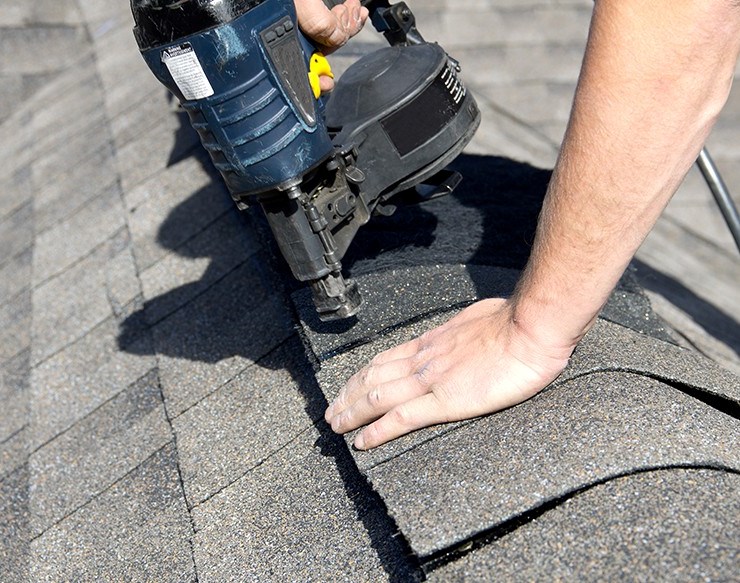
{"x": 330, "y": 28}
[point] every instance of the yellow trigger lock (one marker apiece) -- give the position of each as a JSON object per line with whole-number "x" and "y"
{"x": 318, "y": 66}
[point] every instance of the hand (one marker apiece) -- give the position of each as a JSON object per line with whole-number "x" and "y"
{"x": 477, "y": 363}
{"x": 330, "y": 28}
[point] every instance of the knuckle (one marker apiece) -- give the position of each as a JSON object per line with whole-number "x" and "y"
{"x": 374, "y": 398}
{"x": 424, "y": 375}
{"x": 377, "y": 359}
{"x": 401, "y": 416}
{"x": 373, "y": 434}
{"x": 365, "y": 374}
{"x": 341, "y": 399}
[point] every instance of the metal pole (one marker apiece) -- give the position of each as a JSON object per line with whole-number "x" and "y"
{"x": 721, "y": 194}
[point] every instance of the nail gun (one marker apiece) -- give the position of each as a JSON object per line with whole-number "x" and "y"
{"x": 320, "y": 166}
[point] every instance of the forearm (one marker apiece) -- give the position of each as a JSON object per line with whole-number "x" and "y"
{"x": 655, "y": 76}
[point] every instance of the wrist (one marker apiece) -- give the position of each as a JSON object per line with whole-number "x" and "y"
{"x": 548, "y": 323}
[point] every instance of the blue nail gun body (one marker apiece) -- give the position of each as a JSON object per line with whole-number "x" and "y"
{"x": 320, "y": 167}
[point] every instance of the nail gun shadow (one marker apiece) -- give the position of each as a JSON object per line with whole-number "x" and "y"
{"x": 238, "y": 306}
{"x": 489, "y": 220}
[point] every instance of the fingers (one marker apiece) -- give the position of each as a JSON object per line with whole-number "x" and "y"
{"x": 332, "y": 28}
{"x": 377, "y": 401}
{"x": 402, "y": 419}
{"x": 326, "y": 83}
{"x": 363, "y": 382}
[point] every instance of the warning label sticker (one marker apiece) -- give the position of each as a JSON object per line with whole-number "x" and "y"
{"x": 186, "y": 70}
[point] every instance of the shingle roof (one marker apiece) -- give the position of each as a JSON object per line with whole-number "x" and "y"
{"x": 163, "y": 390}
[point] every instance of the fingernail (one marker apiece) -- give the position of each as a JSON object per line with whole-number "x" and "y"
{"x": 360, "y": 442}
{"x": 356, "y": 14}
{"x": 345, "y": 19}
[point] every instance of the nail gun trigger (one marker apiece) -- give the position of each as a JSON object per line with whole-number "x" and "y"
{"x": 440, "y": 184}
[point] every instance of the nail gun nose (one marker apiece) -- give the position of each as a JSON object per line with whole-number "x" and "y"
{"x": 335, "y": 298}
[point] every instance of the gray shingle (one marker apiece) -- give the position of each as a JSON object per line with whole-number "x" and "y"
{"x": 137, "y": 530}
{"x": 71, "y": 240}
{"x": 81, "y": 141}
{"x": 16, "y": 231}
{"x": 197, "y": 264}
{"x": 14, "y": 451}
{"x": 77, "y": 146}
{"x": 39, "y": 49}
{"x": 580, "y": 433}
{"x": 176, "y": 205}
{"x": 394, "y": 296}
{"x": 143, "y": 159}
{"x": 207, "y": 342}
{"x": 611, "y": 347}
{"x": 14, "y": 517}
{"x": 39, "y": 12}
{"x": 147, "y": 110}
{"x": 14, "y": 383}
{"x": 15, "y": 274}
{"x": 118, "y": 56}
{"x": 56, "y": 200}
{"x": 72, "y": 469}
{"x": 18, "y": 147}
{"x": 70, "y": 305}
{"x": 670, "y": 525}
{"x": 77, "y": 380}
{"x": 295, "y": 518}
{"x": 11, "y": 93}
{"x": 245, "y": 422}
{"x": 608, "y": 347}
{"x": 79, "y": 101}
{"x": 334, "y": 374}
{"x": 15, "y": 191}
{"x": 15, "y": 325}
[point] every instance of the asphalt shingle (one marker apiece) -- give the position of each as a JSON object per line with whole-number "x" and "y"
{"x": 175, "y": 206}
{"x": 16, "y": 231}
{"x": 669, "y": 525}
{"x": 157, "y": 147}
{"x": 243, "y": 423}
{"x": 40, "y": 12}
{"x": 296, "y": 518}
{"x": 15, "y": 192}
{"x": 394, "y": 296}
{"x": 83, "y": 296}
{"x": 14, "y": 451}
{"x": 90, "y": 227}
{"x": 14, "y": 518}
{"x": 586, "y": 431}
{"x": 14, "y": 394}
{"x": 80, "y": 378}
{"x": 275, "y": 495}
{"x": 136, "y": 530}
{"x": 72, "y": 469}
{"x": 15, "y": 274}
{"x": 56, "y": 200}
{"x": 39, "y": 49}
{"x": 612, "y": 347}
{"x": 15, "y": 325}
{"x": 197, "y": 264}
{"x": 207, "y": 342}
